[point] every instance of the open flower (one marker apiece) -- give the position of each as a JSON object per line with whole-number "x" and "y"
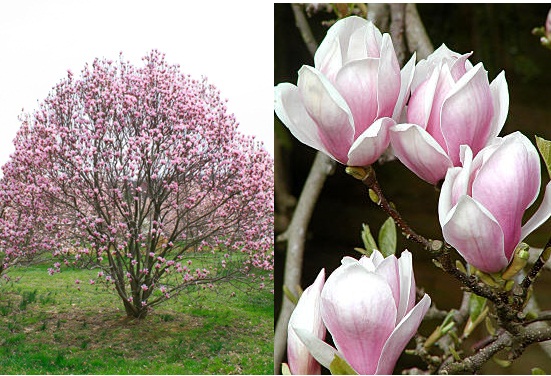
{"x": 452, "y": 104}
{"x": 345, "y": 104}
{"x": 482, "y": 203}
{"x": 368, "y": 306}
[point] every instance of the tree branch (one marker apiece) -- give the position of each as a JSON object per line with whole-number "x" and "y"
{"x": 416, "y": 35}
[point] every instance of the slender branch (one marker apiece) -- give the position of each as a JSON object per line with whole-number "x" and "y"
{"x": 397, "y": 28}
{"x": 473, "y": 363}
{"x": 416, "y": 35}
{"x": 367, "y": 176}
{"x": 304, "y": 28}
{"x": 536, "y": 268}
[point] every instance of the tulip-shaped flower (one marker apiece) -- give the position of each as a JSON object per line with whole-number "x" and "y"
{"x": 481, "y": 204}
{"x": 452, "y": 104}
{"x": 345, "y": 104}
{"x": 368, "y": 306}
{"x": 306, "y": 316}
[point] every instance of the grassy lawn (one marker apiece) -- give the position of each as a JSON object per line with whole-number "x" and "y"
{"x": 48, "y": 326}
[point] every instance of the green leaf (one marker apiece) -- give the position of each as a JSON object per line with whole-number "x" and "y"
{"x": 368, "y": 240}
{"x": 476, "y": 305}
{"x": 387, "y": 238}
{"x": 292, "y": 297}
{"x": 544, "y": 146}
{"x": 538, "y": 371}
{"x": 339, "y": 366}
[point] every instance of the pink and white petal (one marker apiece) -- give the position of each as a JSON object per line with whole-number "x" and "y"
{"x": 306, "y": 316}
{"x": 373, "y": 40}
{"x": 456, "y": 184}
{"x": 425, "y": 67}
{"x": 459, "y": 67}
{"x": 500, "y": 99}
{"x": 420, "y": 105}
{"x": 321, "y": 351}
{"x": 467, "y": 113}
{"x": 407, "y": 285}
{"x": 329, "y": 110}
{"x": 444, "y": 86}
{"x": 369, "y": 146}
{"x": 376, "y": 257}
{"x": 357, "y": 83}
{"x": 389, "y": 77}
{"x": 400, "y": 337}
{"x": 419, "y": 152}
{"x": 364, "y": 261}
{"x": 359, "y": 321}
{"x": 540, "y": 216}
{"x": 473, "y": 231}
{"x": 406, "y": 77}
{"x": 507, "y": 184}
{"x": 292, "y": 113}
{"x": 389, "y": 269}
{"x": 329, "y": 60}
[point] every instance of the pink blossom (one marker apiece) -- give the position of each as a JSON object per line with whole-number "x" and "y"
{"x": 345, "y": 104}
{"x": 482, "y": 203}
{"x": 368, "y": 306}
{"x": 452, "y": 104}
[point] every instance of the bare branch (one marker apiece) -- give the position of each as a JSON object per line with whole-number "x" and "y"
{"x": 416, "y": 35}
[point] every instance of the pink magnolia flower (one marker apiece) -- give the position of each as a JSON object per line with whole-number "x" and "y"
{"x": 452, "y": 104}
{"x": 368, "y": 306}
{"x": 482, "y": 203}
{"x": 345, "y": 104}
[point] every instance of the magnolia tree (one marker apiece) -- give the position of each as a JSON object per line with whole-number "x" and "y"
{"x": 142, "y": 173}
{"x": 442, "y": 116}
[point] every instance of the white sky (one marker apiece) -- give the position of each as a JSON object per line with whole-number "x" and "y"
{"x": 231, "y": 43}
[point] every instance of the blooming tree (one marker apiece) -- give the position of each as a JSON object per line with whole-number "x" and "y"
{"x": 136, "y": 170}
{"x": 442, "y": 118}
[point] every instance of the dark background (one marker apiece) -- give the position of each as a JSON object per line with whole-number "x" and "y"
{"x": 500, "y": 36}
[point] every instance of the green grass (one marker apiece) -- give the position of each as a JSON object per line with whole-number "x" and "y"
{"x": 48, "y": 326}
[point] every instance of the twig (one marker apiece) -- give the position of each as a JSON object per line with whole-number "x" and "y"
{"x": 397, "y": 27}
{"x": 416, "y": 35}
{"x": 304, "y": 28}
{"x": 367, "y": 176}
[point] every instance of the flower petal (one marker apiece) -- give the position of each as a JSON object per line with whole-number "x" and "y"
{"x": 320, "y": 350}
{"x": 357, "y": 83}
{"x": 369, "y": 146}
{"x": 306, "y": 316}
{"x": 467, "y": 113}
{"x": 540, "y": 216}
{"x": 389, "y": 269}
{"x": 359, "y": 321}
{"x": 475, "y": 233}
{"x": 419, "y": 152}
{"x": 401, "y": 335}
{"x": 407, "y": 285}
{"x": 292, "y": 113}
{"x": 388, "y": 81}
{"x": 507, "y": 184}
{"x": 500, "y": 98}
{"x": 406, "y": 77}
{"x": 329, "y": 110}
{"x": 456, "y": 184}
